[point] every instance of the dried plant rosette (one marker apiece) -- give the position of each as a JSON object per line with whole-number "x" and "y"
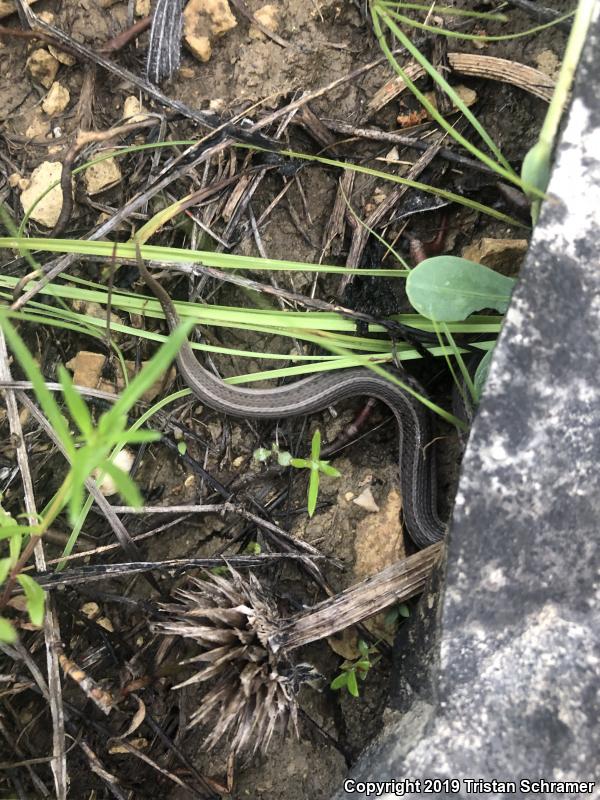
{"x": 252, "y": 693}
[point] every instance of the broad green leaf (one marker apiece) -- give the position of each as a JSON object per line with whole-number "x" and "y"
{"x": 339, "y": 681}
{"x": 36, "y": 598}
{"x": 391, "y": 617}
{"x": 5, "y": 518}
{"x": 315, "y": 445}
{"x": 403, "y": 610}
{"x": 327, "y": 469}
{"x": 313, "y": 491}
{"x": 5, "y": 565}
{"x": 535, "y": 172}
{"x": 126, "y": 486}
{"x": 7, "y": 633}
{"x": 181, "y": 448}
{"x": 481, "y": 373}
{"x": 448, "y": 288}
{"x": 77, "y": 408}
{"x": 10, "y": 530}
{"x": 300, "y": 463}
{"x": 352, "y": 684}
{"x": 14, "y": 546}
{"x": 363, "y": 648}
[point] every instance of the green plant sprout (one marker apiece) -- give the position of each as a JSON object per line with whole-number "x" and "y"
{"x": 535, "y": 171}
{"x": 315, "y": 464}
{"x": 352, "y": 671}
{"x": 401, "y": 610}
{"x": 90, "y": 451}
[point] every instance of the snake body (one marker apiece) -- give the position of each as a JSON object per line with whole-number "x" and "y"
{"x": 316, "y": 393}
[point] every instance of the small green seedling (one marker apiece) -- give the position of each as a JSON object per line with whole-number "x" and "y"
{"x": 351, "y": 671}
{"x": 395, "y": 613}
{"x": 90, "y": 449}
{"x": 315, "y": 464}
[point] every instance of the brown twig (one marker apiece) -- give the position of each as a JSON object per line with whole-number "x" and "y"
{"x": 376, "y": 135}
{"x": 83, "y": 139}
{"x": 243, "y": 9}
{"x": 119, "y": 41}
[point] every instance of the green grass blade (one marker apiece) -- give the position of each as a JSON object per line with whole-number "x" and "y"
{"x": 474, "y": 37}
{"x": 502, "y": 167}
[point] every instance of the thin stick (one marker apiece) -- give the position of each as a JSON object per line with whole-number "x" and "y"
{"x": 407, "y": 141}
{"x": 102, "y": 572}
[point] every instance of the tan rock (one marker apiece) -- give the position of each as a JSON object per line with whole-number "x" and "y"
{"x": 39, "y": 125}
{"x": 268, "y": 16}
{"x": 132, "y": 109}
{"x": 47, "y": 17}
{"x": 503, "y": 255}
{"x": 65, "y": 58}
{"x": 42, "y": 67}
{"x": 47, "y": 211}
{"x": 217, "y": 104}
{"x": 95, "y": 310}
{"x": 88, "y": 370}
{"x": 345, "y": 643}
{"x": 102, "y": 176}
{"x": 220, "y": 18}
{"x": 199, "y": 47}
{"x": 90, "y": 610}
{"x": 142, "y": 8}
{"x": 124, "y": 461}
{"x": 548, "y": 63}
{"x": 8, "y": 7}
{"x": 16, "y": 181}
{"x": 56, "y": 100}
{"x": 379, "y": 540}
{"x": 204, "y": 21}
{"x": 465, "y": 93}
{"x": 366, "y": 501}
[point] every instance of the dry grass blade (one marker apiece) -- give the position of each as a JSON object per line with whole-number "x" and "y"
{"x": 497, "y": 69}
{"x": 395, "y": 584}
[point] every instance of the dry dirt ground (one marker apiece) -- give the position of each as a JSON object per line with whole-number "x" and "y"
{"x": 329, "y": 39}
